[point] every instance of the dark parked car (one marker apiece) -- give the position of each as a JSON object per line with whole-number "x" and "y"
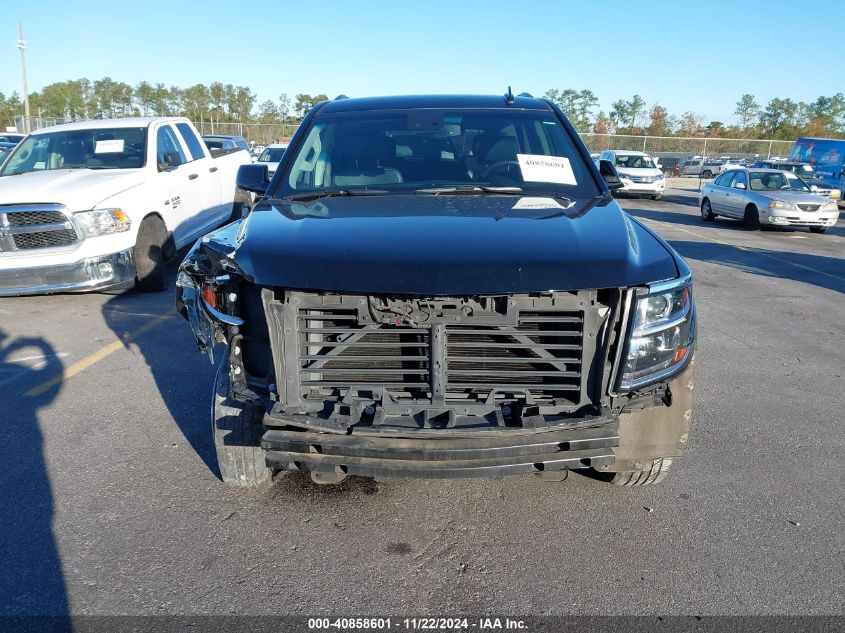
{"x": 5, "y": 150}
{"x": 9, "y": 137}
{"x": 806, "y": 172}
{"x": 225, "y": 142}
{"x": 442, "y": 287}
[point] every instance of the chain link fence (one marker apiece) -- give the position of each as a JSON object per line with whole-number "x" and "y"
{"x": 686, "y": 147}
{"x": 258, "y": 133}
{"x": 25, "y": 125}
{"x": 678, "y": 147}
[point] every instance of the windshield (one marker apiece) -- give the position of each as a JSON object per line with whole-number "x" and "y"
{"x": 769, "y": 181}
{"x": 99, "y": 148}
{"x": 634, "y": 162}
{"x": 803, "y": 170}
{"x": 406, "y": 150}
{"x": 271, "y": 155}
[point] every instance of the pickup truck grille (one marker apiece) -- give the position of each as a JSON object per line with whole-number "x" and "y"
{"x": 465, "y": 355}
{"x": 28, "y": 227}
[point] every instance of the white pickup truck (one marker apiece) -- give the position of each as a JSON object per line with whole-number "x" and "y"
{"x": 103, "y": 204}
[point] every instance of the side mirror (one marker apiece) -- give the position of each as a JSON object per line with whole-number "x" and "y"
{"x": 739, "y": 185}
{"x": 254, "y": 178}
{"x": 169, "y": 160}
{"x": 611, "y": 177}
{"x": 813, "y": 188}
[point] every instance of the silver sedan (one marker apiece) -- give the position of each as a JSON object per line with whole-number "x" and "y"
{"x": 766, "y": 197}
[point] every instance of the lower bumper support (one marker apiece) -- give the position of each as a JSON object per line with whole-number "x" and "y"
{"x": 93, "y": 273}
{"x": 441, "y": 458}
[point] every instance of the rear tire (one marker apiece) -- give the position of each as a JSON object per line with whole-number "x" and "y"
{"x": 707, "y": 211}
{"x": 148, "y": 254}
{"x": 237, "y": 429}
{"x": 653, "y": 475}
{"x": 818, "y": 229}
{"x": 707, "y": 174}
{"x": 751, "y": 219}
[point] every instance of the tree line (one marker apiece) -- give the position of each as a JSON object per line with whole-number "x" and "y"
{"x": 105, "y": 98}
{"x": 783, "y": 119}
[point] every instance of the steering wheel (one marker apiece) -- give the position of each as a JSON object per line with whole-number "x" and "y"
{"x": 496, "y": 165}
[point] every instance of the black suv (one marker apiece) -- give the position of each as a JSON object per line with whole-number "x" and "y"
{"x": 442, "y": 286}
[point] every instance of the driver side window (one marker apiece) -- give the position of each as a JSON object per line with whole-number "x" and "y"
{"x": 166, "y": 141}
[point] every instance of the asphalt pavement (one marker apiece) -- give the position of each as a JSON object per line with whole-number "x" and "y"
{"x": 110, "y": 502}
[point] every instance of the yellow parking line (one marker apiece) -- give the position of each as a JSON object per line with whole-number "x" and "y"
{"x": 746, "y": 249}
{"x": 96, "y": 357}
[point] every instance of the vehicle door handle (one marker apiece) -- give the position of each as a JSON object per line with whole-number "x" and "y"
{"x": 212, "y": 169}
{"x": 193, "y": 176}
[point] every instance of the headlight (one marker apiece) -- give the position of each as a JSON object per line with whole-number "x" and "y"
{"x": 660, "y": 177}
{"x": 835, "y": 194}
{"x": 102, "y": 222}
{"x": 830, "y": 207}
{"x": 662, "y": 334}
{"x": 781, "y": 204}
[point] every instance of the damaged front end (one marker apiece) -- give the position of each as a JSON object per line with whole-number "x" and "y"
{"x": 447, "y": 386}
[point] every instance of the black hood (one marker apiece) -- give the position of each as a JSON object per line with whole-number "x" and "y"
{"x": 443, "y": 245}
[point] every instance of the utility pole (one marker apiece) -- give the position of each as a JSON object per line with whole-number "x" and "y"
{"x": 21, "y": 47}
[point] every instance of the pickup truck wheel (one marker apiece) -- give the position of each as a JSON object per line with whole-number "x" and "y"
{"x": 751, "y": 219}
{"x": 818, "y": 229}
{"x": 237, "y": 432}
{"x": 707, "y": 211}
{"x": 707, "y": 174}
{"x": 149, "y": 255}
{"x": 653, "y": 475}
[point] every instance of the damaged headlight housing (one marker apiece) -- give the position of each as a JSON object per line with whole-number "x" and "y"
{"x": 662, "y": 334}
{"x": 102, "y": 222}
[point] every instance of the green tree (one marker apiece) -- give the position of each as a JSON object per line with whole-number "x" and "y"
{"x": 748, "y": 110}
{"x": 268, "y": 112}
{"x": 577, "y": 105}
{"x": 144, "y": 92}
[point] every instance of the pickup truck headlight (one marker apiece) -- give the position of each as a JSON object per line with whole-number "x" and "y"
{"x": 662, "y": 334}
{"x": 835, "y": 194}
{"x": 781, "y": 204}
{"x": 102, "y": 222}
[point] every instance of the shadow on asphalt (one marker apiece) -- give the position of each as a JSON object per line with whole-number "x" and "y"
{"x": 183, "y": 377}
{"x": 818, "y": 270}
{"x": 31, "y": 578}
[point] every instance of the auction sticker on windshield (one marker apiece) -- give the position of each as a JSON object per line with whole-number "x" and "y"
{"x": 540, "y": 168}
{"x": 109, "y": 146}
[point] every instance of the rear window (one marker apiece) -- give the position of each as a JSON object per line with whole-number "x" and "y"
{"x": 191, "y": 140}
{"x": 410, "y": 149}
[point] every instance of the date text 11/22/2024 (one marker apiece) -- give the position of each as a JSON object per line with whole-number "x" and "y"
{"x": 416, "y": 624}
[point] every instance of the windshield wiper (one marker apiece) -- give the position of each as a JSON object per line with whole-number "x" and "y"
{"x": 472, "y": 190}
{"x": 333, "y": 193}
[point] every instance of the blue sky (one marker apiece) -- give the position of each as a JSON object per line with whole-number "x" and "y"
{"x": 683, "y": 55}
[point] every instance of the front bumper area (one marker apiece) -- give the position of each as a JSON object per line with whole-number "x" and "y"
{"x": 801, "y": 218}
{"x": 647, "y": 188}
{"x": 92, "y": 273}
{"x": 480, "y": 454}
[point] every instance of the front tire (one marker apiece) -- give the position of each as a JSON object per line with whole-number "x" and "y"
{"x": 148, "y": 254}
{"x": 654, "y": 474}
{"x": 751, "y": 219}
{"x": 707, "y": 174}
{"x": 707, "y": 211}
{"x": 237, "y": 429}
{"x": 657, "y": 197}
{"x": 818, "y": 229}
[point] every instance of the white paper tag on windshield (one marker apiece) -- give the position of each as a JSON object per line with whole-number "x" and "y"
{"x": 539, "y": 168}
{"x": 530, "y": 202}
{"x": 110, "y": 146}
